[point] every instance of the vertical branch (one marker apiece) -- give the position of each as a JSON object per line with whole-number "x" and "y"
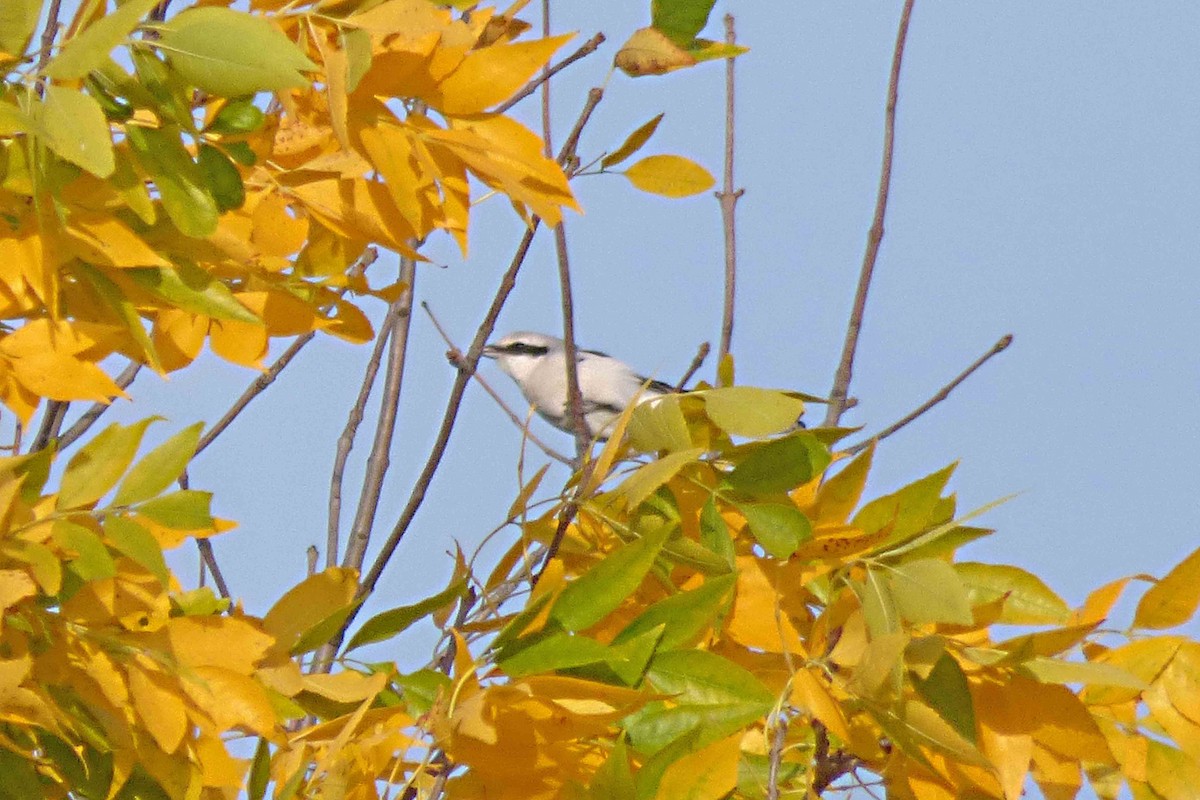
{"x": 583, "y": 436}
{"x": 547, "y": 147}
{"x": 845, "y": 370}
{"x": 48, "y": 34}
{"x": 379, "y": 460}
{"x": 345, "y": 442}
{"x": 728, "y": 197}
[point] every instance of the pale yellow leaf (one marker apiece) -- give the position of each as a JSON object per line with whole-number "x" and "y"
{"x": 669, "y": 176}
{"x": 650, "y": 52}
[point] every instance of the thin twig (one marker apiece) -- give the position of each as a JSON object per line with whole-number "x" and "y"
{"x": 210, "y": 563}
{"x": 566, "y": 156}
{"x": 583, "y": 437}
{"x": 89, "y": 417}
{"x": 728, "y": 197}
{"x": 775, "y": 756}
{"x": 345, "y": 442}
{"x": 455, "y": 356}
{"x": 547, "y": 140}
{"x": 694, "y": 367}
{"x": 999, "y": 347}
{"x": 48, "y": 34}
{"x": 52, "y": 420}
{"x": 311, "y": 554}
{"x": 256, "y": 387}
{"x": 588, "y": 47}
{"x": 469, "y": 364}
{"x": 379, "y": 459}
{"x": 828, "y": 767}
{"x": 845, "y": 370}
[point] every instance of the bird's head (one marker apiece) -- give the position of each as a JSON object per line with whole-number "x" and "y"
{"x": 517, "y": 354}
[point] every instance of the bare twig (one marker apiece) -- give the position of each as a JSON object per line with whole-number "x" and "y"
{"x": 693, "y": 368}
{"x": 583, "y": 437}
{"x": 470, "y": 362}
{"x": 18, "y": 431}
{"x": 311, "y": 554}
{"x": 209, "y": 559}
{"x": 588, "y": 47}
{"x": 845, "y": 370}
{"x": 89, "y": 417}
{"x": 456, "y": 357}
{"x": 828, "y": 767}
{"x": 345, "y": 442}
{"x": 256, "y": 387}
{"x": 547, "y": 140}
{"x": 379, "y": 459}
{"x": 48, "y": 34}
{"x": 775, "y": 756}
{"x": 999, "y": 347}
{"x": 728, "y": 197}
{"x": 52, "y": 421}
{"x": 566, "y": 156}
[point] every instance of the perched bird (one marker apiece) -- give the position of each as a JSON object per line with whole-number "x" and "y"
{"x": 538, "y": 364}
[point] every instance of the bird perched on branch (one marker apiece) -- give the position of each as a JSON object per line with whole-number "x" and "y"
{"x": 538, "y": 364}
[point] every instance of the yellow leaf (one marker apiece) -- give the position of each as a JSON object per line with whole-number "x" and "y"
{"x": 178, "y": 337}
{"x": 650, "y": 52}
{"x": 60, "y": 376}
{"x": 231, "y": 643}
{"x": 233, "y": 700}
{"x": 1095, "y": 609}
{"x": 707, "y": 774}
{"x": 1058, "y": 777}
{"x": 15, "y": 586}
{"x": 632, "y": 143}
{"x": 309, "y": 603}
{"x": 489, "y": 76}
{"x": 1174, "y": 599}
{"x": 1182, "y": 680}
{"x": 277, "y": 232}
{"x": 1173, "y": 774}
{"x": 1144, "y": 658}
{"x": 220, "y": 770}
{"x": 346, "y": 686}
{"x": 408, "y": 19}
{"x": 839, "y": 496}
{"x": 391, "y": 152}
{"x": 810, "y": 692}
{"x": 103, "y": 239}
{"x": 239, "y": 342}
{"x": 159, "y": 705}
{"x": 670, "y": 176}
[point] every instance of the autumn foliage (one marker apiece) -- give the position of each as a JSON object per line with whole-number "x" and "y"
{"x": 726, "y": 614}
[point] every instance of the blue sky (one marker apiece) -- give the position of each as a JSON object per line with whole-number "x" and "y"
{"x": 1045, "y": 185}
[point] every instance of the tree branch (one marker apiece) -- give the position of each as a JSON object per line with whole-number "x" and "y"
{"x": 380, "y": 459}
{"x": 775, "y": 756}
{"x": 588, "y": 47}
{"x": 89, "y": 417}
{"x": 728, "y": 198}
{"x": 845, "y": 370}
{"x": 455, "y": 357}
{"x": 48, "y": 34}
{"x": 697, "y": 362}
{"x": 52, "y": 421}
{"x": 583, "y": 437}
{"x": 999, "y": 347}
{"x": 345, "y": 442}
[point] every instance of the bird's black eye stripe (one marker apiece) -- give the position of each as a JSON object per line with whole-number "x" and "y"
{"x": 523, "y": 348}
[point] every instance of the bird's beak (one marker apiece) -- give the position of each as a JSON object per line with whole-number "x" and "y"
{"x": 490, "y": 351}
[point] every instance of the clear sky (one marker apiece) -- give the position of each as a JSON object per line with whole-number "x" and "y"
{"x": 1046, "y": 184}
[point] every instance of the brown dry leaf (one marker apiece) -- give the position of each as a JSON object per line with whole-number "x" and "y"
{"x": 649, "y": 52}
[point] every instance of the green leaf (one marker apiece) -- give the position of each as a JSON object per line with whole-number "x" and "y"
{"x": 779, "y": 465}
{"x": 778, "y": 527}
{"x": 714, "y": 533}
{"x": 659, "y": 425}
{"x": 325, "y": 630}
{"x": 18, "y": 20}
{"x": 614, "y": 779}
{"x": 100, "y": 463}
{"x": 1028, "y": 601}
{"x": 909, "y": 510}
{"x": 632, "y": 144}
{"x": 947, "y": 692}
{"x": 169, "y": 94}
{"x": 699, "y": 677}
{"x": 930, "y": 591}
{"x": 646, "y": 479}
{"x": 392, "y": 622}
{"x": 181, "y": 183}
{"x": 21, "y": 780}
{"x": 260, "y": 771}
{"x": 223, "y": 178}
{"x": 231, "y": 53}
{"x": 159, "y": 468}
{"x": 185, "y": 510}
{"x": 684, "y": 615}
{"x": 200, "y": 602}
{"x": 680, "y": 20}
{"x": 89, "y": 49}
{"x": 591, "y": 597}
{"x": 190, "y": 288}
{"x": 77, "y": 130}
{"x": 356, "y": 43}
{"x": 421, "y": 688}
{"x": 92, "y": 560}
{"x": 750, "y": 411}
{"x": 122, "y": 306}
{"x": 237, "y": 117}
{"x": 559, "y": 650}
{"x": 132, "y": 540}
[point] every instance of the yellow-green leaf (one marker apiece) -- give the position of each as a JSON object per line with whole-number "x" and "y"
{"x": 231, "y": 53}
{"x": 394, "y": 621}
{"x": 779, "y": 527}
{"x": 190, "y": 288}
{"x": 159, "y": 468}
{"x": 930, "y": 590}
{"x": 90, "y": 48}
{"x": 18, "y": 19}
{"x": 77, "y": 130}
{"x": 670, "y": 176}
{"x": 184, "y": 510}
{"x": 91, "y": 560}
{"x": 180, "y": 181}
{"x": 647, "y": 478}
{"x": 131, "y": 539}
{"x": 751, "y": 411}
{"x": 1028, "y": 601}
{"x": 589, "y": 599}
{"x": 1173, "y": 600}
{"x": 631, "y": 144}
{"x": 308, "y": 604}
{"x": 100, "y": 463}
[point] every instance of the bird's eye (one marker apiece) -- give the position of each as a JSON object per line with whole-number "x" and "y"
{"x": 524, "y": 348}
